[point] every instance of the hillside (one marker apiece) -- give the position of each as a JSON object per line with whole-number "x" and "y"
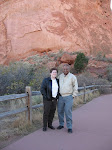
{"x": 31, "y": 27}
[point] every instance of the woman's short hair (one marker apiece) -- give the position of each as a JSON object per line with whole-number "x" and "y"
{"x": 53, "y": 69}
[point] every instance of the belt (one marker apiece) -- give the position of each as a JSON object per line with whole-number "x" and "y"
{"x": 54, "y": 99}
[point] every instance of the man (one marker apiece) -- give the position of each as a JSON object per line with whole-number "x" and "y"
{"x": 68, "y": 90}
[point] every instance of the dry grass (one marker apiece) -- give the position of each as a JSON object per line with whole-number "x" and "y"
{"x": 79, "y": 101}
{"x": 36, "y": 99}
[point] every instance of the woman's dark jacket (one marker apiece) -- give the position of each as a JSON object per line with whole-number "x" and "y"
{"x": 46, "y": 89}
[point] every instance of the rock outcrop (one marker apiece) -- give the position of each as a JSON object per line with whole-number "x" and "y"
{"x": 67, "y": 58}
{"x": 30, "y": 27}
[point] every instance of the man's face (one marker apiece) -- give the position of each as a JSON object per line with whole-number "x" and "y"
{"x": 66, "y": 70}
{"x": 53, "y": 74}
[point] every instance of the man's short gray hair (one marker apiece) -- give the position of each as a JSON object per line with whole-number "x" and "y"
{"x": 66, "y": 65}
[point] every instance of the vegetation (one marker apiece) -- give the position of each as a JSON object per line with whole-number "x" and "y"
{"x": 109, "y": 73}
{"x": 88, "y": 79}
{"x": 101, "y": 57}
{"x": 15, "y": 77}
{"x": 80, "y": 62}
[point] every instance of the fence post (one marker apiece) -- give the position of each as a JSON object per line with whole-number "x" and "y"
{"x": 29, "y": 104}
{"x": 93, "y": 87}
{"x": 84, "y": 98}
{"x": 100, "y": 89}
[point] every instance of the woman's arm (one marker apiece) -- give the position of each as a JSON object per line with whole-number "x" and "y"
{"x": 43, "y": 89}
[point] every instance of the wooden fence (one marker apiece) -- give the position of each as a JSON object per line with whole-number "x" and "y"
{"x": 28, "y": 95}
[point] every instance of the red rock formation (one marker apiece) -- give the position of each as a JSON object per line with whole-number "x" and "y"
{"x": 29, "y": 27}
{"x": 67, "y": 58}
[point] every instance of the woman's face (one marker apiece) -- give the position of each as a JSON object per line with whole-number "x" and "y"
{"x": 54, "y": 74}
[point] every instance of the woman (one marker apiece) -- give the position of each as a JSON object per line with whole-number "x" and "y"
{"x": 50, "y": 93}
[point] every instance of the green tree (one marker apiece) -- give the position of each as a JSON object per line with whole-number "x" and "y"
{"x": 80, "y": 62}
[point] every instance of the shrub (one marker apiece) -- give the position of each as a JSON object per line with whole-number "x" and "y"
{"x": 80, "y": 62}
{"x": 109, "y": 73}
{"x": 101, "y": 57}
{"x": 88, "y": 79}
{"x": 38, "y": 76}
{"x": 15, "y": 77}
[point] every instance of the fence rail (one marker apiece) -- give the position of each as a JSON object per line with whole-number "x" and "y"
{"x": 12, "y": 97}
{"x": 28, "y": 95}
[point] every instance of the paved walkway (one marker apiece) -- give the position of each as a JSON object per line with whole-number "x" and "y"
{"x": 92, "y": 130}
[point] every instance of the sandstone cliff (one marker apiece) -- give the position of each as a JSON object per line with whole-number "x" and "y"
{"x": 28, "y": 27}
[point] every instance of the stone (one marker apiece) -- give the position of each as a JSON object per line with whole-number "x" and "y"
{"x": 67, "y": 58}
{"x": 28, "y": 28}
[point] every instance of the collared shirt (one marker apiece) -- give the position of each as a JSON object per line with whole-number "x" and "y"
{"x": 68, "y": 84}
{"x": 54, "y": 88}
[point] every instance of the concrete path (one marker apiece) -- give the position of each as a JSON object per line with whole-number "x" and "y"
{"x": 92, "y": 130}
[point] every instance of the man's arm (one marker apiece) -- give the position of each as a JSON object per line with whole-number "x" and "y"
{"x": 75, "y": 86}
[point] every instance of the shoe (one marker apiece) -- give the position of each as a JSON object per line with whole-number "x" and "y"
{"x": 60, "y": 127}
{"x": 51, "y": 127}
{"x": 44, "y": 128}
{"x": 69, "y": 130}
